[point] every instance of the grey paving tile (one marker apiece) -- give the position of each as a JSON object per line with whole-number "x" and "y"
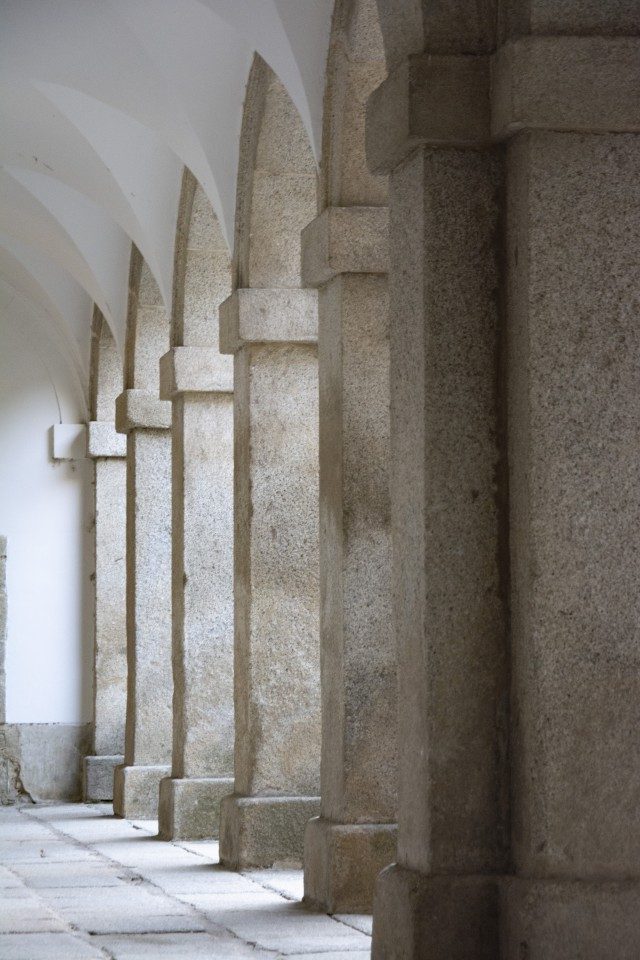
{"x": 185, "y": 946}
{"x": 8, "y": 879}
{"x": 289, "y": 883}
{"x": 359, "y": 921}
{"x": 58, "y": 874}
{"x": 331, "y": 955}
{"x": 30, "y": 851}
{"x": 26, "y": 914}
{"x": 46, "y": 946}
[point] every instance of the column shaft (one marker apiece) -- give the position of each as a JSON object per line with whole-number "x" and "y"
{"x": 355, "y": 836}
{"x": 277, "y": 737}
{"x": 574, "y": 401}
{"x": 202, "y": 467}
{"x": 440, "y": 899}
{"x": 149, "y": 690}
{"x": 110, "y": 661}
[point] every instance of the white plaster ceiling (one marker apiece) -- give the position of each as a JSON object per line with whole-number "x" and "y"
{"x": 101, "y": 104}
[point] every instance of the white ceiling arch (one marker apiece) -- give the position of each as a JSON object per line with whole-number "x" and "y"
{"x": 102, "y": 102}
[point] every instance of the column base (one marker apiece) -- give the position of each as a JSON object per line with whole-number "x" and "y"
{"x": 97, "y": 776}
{"x": 190, "y": 808}
{"x": 420, "y": 917}
{"x": 136, "y": 791}
{"x": 565, "y": 919}
{"x": 342, "y": 862}
{"x": 263, "y": 831}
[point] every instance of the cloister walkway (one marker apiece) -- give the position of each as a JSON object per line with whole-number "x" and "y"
{"x": 78, "y": 884}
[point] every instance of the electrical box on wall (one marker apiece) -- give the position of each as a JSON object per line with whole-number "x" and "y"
{"x": 68, "y": 441}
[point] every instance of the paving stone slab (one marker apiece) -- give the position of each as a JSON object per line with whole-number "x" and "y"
{"x": 186, "y": 946}
{"x": 359, "y": 921}
{"x": 27, "y": 915}
{"x": 8, "y": 879}
{"x": 288, "y": 883}
{"x": 58, "y": 875}
{"x": 29, "y": 851}
{"x": 46, "y": 946}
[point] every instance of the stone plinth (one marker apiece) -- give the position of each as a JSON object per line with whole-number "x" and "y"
{"x": 345, "y": 254}
{"x": 277, "y": 670}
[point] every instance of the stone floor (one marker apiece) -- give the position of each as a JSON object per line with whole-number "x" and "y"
{"x": 78, "y": 884}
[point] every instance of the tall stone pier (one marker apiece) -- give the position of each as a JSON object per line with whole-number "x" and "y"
{"x": 514, "y": 221}
{"x": 200, "y": 383}
{"x": 273, "y": 334}
{"x": 345, "y": 255}
{"x": 146, "y": 421}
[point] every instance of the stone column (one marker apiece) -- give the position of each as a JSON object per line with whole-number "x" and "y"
{"x": 147, "y": 423}
{"x": 428, "y": 127}
{"x": 573, "y": 235}
{"x": 273, "y": 334}
{"x": 108, "y": 451}
{"x": 345, "y": 255}
{"x": 200, "y": 383}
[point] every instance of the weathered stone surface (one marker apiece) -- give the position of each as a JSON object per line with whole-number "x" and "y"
{"x": 342, "y": 862}
{"x": 430, "y": 99}
{"x": 447, "y": 581}
{"x": 203, "y": 720}
{"x": 190, "y": 807}
{"x": 42, "y": 761}
{"x": 345, "y": 240}
{"x": 136, "y": 790}
{"x": 195, "y": 369}
{"x": 139, "y": 409}
{"x": 277, "y": 708}
{"x": 110, "y": 655}
{"x": 574, "y": 389}
{"x": 574, "y": 84}
{"x": 565, "y": 919}
{"x": 150, "y": 684}
{"x": 358, "y": 647}
{"x": 104, "y": 441}
{"x": 260, "y": 316}
{"x": 199, "y": 381}
{"x": 262, "y": 831}
{"x": 98, "y": 773}
{"x": 421, "y": 917}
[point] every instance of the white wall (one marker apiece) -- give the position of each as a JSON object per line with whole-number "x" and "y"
{"x": 44, "y": 512}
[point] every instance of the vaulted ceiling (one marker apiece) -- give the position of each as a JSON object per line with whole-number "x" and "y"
{"x": 102, "y": 102}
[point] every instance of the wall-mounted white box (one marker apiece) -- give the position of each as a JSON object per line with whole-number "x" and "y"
{"x": 68, "y": 441}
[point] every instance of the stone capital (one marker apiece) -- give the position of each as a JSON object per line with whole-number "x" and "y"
{"x": 579, "y": 84}
{"x": 275, "y": 315}
{"x": 563, "y": 83}
{"x": 430, "y": 99}
{"x": 345, "y": 240}
{"x": 194, "y": 370}
{"x": 138, "y": 409}
{"x": 104, "y": 441}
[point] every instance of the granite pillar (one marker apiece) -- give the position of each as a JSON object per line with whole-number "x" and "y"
{"x": 273, "y": 334}
{"x": 345, "y": 255}
{"x": 534, "y": 853}
{"x": 200, "y": 384}
{"x": 428, "y": 128}
{"x": 146, "y": 421}
{"x": 573, "y": 232}
{"x": 108, "y": 451}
